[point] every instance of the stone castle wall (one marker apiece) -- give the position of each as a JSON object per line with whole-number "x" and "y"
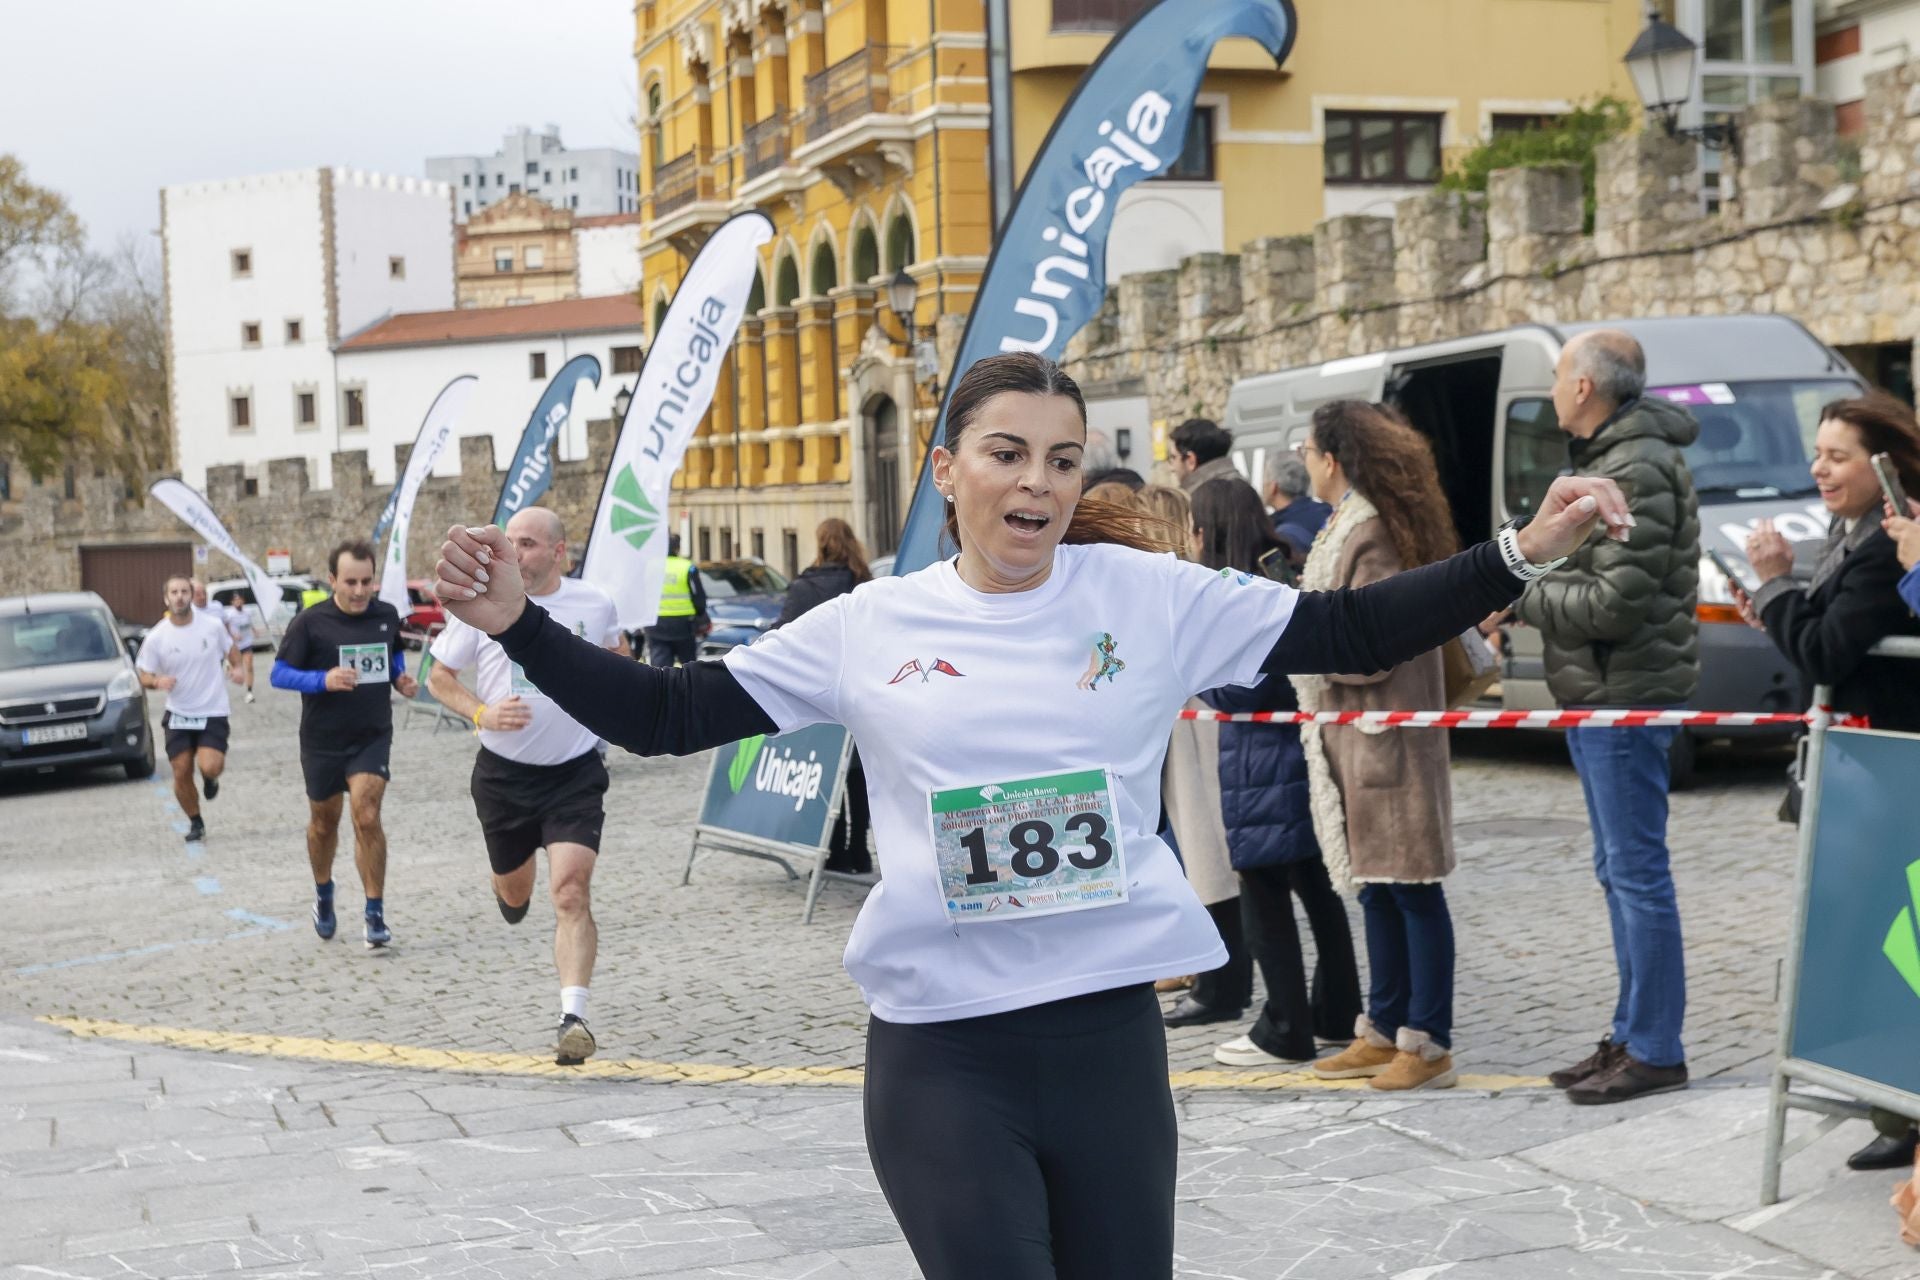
{"x": 1841, "y": 256}
{"x": 42, "y": 531}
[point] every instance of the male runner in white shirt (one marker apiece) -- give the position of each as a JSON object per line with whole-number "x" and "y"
{"x": 539, "y": 779}
{"x": 186, "y": 654}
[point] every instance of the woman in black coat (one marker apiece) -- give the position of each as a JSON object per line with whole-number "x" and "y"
{"x": 1853, "y": 603}
{"x": 841, "y": 566}
{"x": 1270, "y": 840}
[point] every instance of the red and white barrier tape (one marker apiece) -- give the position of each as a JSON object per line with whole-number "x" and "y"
{"x": 1597, "y": 719}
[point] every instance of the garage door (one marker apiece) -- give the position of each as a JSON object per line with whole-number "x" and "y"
{"x": 132, "y": 578}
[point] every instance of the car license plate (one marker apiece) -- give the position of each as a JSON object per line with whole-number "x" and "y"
{"x": 56, "y": 733}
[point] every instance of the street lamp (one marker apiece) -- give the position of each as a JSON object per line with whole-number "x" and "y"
{"x": 622, "y": 401}
{"x": 1662, "y": 63}
{"x": 903, "y": 291}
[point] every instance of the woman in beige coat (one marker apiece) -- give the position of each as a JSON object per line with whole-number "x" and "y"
{"x": 1382, "y": 800}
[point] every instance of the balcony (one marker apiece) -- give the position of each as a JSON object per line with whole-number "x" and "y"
{"x": 852, "y": 87}
{"x": 765, "y": 144}
{"x": 676, "y": 184}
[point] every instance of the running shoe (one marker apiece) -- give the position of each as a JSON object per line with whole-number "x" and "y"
{"x": 249, "y": 696}
{"x": 209, "y": 787}
{"x": 323, "y": 919}
{"x": 513, "y": 915}
{"x": 378, "y": 935}
{"x": 576, "y": 1043}
{"x": 196, "y": 830}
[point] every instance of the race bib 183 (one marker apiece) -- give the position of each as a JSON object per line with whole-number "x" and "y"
{"x": 1029, "y": 847}
{"x": 368, "y": 661}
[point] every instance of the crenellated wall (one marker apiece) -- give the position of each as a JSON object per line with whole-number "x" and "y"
{"x": 41, "y": 530}
{"x": 1842, "y": 257}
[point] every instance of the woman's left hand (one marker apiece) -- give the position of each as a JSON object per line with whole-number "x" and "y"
{"x": 1573, "y": 505}
{"x": 1770, "y": 554}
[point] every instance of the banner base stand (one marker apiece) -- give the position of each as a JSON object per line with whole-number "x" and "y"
{"x": 786, "y": 856}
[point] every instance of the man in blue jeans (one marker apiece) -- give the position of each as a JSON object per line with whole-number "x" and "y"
{"x": 1619, "y": 629}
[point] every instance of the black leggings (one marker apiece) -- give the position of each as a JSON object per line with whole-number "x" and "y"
{"x": 1032, "y": 1145}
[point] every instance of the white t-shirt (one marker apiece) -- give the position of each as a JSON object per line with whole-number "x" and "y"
{"x": 195, "y": 656}
{"x": 552, "y": 736}
{"x": 240, "y": 622}
{"x": 945, "y": 687}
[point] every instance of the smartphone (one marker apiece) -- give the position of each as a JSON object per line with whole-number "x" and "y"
{"x": 1890, "y": 484}
{"x": 1721, "y": 563}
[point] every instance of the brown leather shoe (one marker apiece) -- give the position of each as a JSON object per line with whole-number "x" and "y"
{"x": 1631, "y": 1079}
{"x": 1603, "y": 1059}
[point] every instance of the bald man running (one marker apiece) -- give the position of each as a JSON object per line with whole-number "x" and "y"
{"x": 539, "y": 780}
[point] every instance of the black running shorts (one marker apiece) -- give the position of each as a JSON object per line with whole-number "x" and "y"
{"x": 526, "y": 807}
{"x": 328, "y": 768}
{"x": 180, "y": 741}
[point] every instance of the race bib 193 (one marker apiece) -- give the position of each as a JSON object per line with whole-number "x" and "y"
{"x": 1029, "y": 847}
{"x": 368, "y": 661}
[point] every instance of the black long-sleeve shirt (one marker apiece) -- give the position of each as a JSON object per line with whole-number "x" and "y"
{"x": 681, "y": 710}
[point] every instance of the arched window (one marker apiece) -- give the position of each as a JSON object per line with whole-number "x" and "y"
{"x": 757, "y": 296}
{"x": 900, "y": 249}
{"x": 825, "y": 275}
{"x": 654, "y": 131}
{"x": 866, "y": 255}
{"x": 786, "y": 282}
{"x": 659, "y": 316}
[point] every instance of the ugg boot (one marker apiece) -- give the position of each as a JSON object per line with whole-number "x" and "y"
{"x": 1368, "y": 1055}
{"x": 1419, "y": 1064}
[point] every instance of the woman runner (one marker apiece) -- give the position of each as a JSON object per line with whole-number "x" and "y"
{"x": 1017, "y": 1105}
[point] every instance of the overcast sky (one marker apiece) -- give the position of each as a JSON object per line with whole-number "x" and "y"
{"x": 107, "y": 101}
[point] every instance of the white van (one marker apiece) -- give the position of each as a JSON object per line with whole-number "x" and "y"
{"x": 1756, "y": 384}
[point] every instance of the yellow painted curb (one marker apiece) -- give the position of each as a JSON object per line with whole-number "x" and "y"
{"x": 372, "y": 1053}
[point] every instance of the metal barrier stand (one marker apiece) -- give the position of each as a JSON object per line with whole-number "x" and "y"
{"x": 1861, "y": 1095}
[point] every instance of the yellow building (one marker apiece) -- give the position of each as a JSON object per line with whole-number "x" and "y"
{"x": 860, "y": 128}
{"x": 515, "y": 252}
{"x": 1374, "y": 96}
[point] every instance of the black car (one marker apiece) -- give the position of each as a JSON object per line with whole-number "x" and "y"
{"x": 69, "y": 697}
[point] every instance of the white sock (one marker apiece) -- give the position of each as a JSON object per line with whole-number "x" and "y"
{"x": 573, "y": 1000}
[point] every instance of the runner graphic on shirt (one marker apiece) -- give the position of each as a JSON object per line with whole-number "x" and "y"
{"x": 1102, "y": 665}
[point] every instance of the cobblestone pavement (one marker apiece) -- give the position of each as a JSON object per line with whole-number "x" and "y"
{"x": 116, "y": 918}
{"x": 124, "y": 1159}
{"x": 142, "y": 1162}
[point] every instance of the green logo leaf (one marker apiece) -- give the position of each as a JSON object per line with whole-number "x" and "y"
{"x": 745, "y": 752}
{"x": 633, "y": 517}
{"x": 1902, "y": 946}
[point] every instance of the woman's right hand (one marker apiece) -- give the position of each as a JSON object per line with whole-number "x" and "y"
{"x": 1905, "y": 533}
{"x": 478, "y": 578}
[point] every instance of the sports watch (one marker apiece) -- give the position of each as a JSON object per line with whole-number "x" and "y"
{"x": 1517, "y": 563}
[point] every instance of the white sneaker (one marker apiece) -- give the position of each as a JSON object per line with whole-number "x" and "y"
{"x": 249, "y": 695}
{"x": 1241, "y": 1051}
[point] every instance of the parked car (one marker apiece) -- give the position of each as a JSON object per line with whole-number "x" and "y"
{"x": 290, "y": 584}
{"x": 425, "y": 617}
{"x": 743, "y": 600}
{"x": 69, "y": 697}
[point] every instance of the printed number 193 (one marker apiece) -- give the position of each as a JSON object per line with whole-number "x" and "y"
{"x": 1033, "y": 853}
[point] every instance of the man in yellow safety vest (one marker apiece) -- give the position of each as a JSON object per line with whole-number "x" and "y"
{"x": 675, "y": 635}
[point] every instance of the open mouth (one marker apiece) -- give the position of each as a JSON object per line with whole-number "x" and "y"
{"x": 1027, "y": 521}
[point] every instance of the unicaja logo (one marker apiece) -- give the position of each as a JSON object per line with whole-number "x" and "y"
{"x": 745, "y": 752}
{"x": 633, "y": 517}
{"x": 1902, "y": 946}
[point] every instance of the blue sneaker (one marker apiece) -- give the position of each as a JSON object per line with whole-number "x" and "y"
{"x": 323, "y": 921}
{"x": 378, "y": 935}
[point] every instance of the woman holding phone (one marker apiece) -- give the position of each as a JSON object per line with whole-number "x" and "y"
{"x": 1018, "y": 1112}
{"x": 1826, "y": 626}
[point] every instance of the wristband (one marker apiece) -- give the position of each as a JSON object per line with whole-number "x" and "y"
{"x": 477, "y": 713}
{"x": 1517, "y": 563}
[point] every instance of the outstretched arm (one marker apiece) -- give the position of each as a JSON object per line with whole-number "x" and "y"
{"x": 648, "y": 710}
{"x": 1378, "y": 627}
